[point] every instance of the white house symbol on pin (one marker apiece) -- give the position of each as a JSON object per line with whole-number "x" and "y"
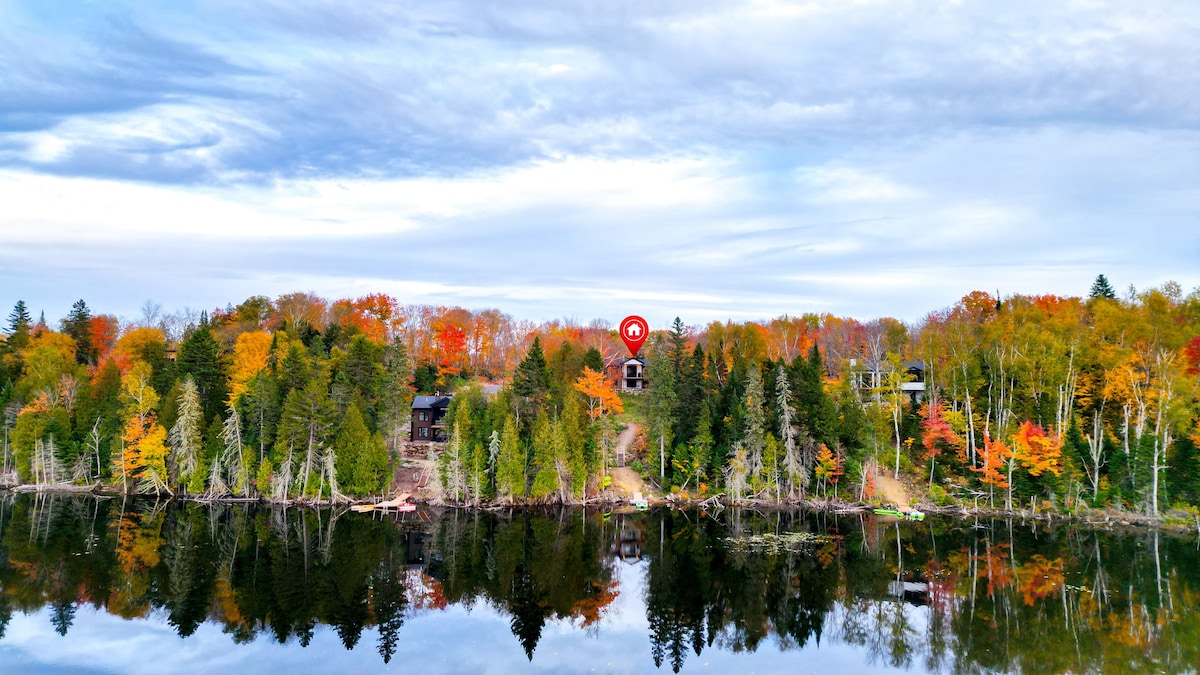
{"x": 633, "y": 330}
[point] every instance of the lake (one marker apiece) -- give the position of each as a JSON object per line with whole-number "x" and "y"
{"x": 138, "y": 586}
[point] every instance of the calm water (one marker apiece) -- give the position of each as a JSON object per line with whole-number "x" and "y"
{"x": 91, "y": 585}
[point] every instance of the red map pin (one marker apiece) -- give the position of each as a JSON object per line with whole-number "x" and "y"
{"x": 634, "y": 331}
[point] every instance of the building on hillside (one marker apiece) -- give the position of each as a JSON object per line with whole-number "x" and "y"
{"x": 630, "y": 374}
{"x": 868, "y": 375}
{"x": 427, "y": 415}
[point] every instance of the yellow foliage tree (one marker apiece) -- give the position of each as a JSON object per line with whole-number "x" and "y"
{"x": 250, "y": 355}
{"x": 1036, "y": 450}
{"x": 142, "y": 460}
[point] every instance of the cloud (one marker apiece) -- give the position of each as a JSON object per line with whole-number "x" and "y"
{"x": 721, "y": 159}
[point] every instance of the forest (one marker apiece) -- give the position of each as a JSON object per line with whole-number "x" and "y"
{"x": 1059, "y": 403}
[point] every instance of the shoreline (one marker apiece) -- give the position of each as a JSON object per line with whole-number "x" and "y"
{"x": 1107, "y": 520}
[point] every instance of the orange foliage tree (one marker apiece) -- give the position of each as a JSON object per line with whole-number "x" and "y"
{"x": 993, "y": 456}
{"x": 1036, "y": 450}
{"x": 828, "y": 468}
{"x": 936, "y": 434}
{"x": 600, "y": 396}
{"x": 103, "y": 330}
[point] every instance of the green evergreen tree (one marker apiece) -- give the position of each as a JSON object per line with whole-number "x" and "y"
{"x": 545, "y": 473}
{"x": 815, "y": 413}
{"x": 186, "y": 436}
{"x": 661, "y": 401}
{"x": 510, "y": 463}
{"x": 754, "y": 429}
{"x": 78, "y": 326}
{"x": 305, "y": 426}
{"x": 351, "y": 445}
{"x": 569, "y": 444}
{"x": 199, "y": 357}
{"x": 19, "y": 326}
{"x": 531, "y": 382}
{"x": 593, "y": 359}
{"x": 691, "y": 395}
{"x": 701, "y": 447}
{"x": 1102, "y": 289}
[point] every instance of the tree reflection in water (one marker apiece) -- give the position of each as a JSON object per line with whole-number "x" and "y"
{"x": 938, "y": 596}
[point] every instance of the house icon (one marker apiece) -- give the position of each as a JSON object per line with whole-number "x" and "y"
{"x": 634, "y": 330}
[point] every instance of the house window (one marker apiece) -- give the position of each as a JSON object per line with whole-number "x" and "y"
{"x": 423, "y": 416}
{"x": 423, "y": 432}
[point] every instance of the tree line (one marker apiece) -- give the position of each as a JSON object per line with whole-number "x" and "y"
{"x": 1066, "y": 401}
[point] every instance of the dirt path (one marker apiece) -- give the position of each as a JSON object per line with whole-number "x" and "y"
{"x": 890, "y": 489}
{"x": 625, "y": 481}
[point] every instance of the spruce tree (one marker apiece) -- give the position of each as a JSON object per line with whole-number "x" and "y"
{"x": 510, "y": 463}
{"x": 1102, "y": 289}
{"x": 531, "y": 383}
{"x": 754, "y": 429}
{"x": 19, "y": 325}
{"x": 78, "y": 326}
{"x": 199, "y": 357}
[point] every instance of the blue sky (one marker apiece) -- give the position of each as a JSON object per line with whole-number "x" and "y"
{"x": 712, "y": 160}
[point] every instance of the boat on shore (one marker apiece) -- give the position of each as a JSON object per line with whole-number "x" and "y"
{"x": 906, "y": 515}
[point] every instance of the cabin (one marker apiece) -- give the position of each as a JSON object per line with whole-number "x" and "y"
{"x": 428, "y": 413}
{"x": 631, "y": 374}
{"x": 867, "y": 375}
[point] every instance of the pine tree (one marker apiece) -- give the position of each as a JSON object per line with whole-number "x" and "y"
{"x": 19, "y": 326}
{"x": 186, "y": 435}
{"x": 78, "y": 326}
{"x": 510, "y": 463}
{"x": 234, "y": 455}
{"x": 531, "y": 382}
{"x": 351, "y": 445}
{"x": 545, "y": 471}
{"x": 754, "y": 434}
{"x": 199, "y": 357}
{"x": 304, "y": 429}
{"x": 593, "y": 359}
{"x": 793, "y": 468}
{"x": 701, "y": 447}
{"x": 660, "y": 403}
{"x": 1102, "y": 289}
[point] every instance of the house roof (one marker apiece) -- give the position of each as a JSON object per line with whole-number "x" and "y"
{"x": 882, "y": 365}
{"x": 428, "y": 402}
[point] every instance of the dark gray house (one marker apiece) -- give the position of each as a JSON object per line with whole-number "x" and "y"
{"x": 427, "y": 414}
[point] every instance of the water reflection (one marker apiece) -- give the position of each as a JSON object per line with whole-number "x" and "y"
{"x": 939, "y": 596}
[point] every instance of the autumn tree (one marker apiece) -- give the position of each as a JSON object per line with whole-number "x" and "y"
{"x": 142, "y": 463}
{"x": 994, "y": 456}
{"x": 599, "y": 394}
{"x": 251, "y": 354}
{"x": 937, "y": 436}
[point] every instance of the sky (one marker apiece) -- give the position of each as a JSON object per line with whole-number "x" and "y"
{"x": 713, "y": 160}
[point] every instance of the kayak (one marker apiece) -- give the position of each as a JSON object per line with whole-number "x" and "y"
{"x": 907, "y": 515}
